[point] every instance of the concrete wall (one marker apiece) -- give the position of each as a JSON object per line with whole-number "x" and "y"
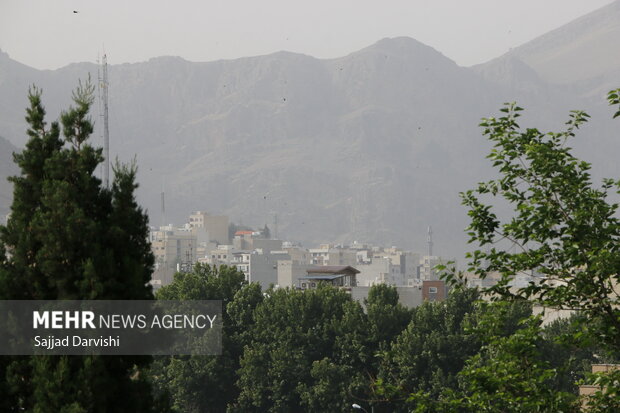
{"x": 289, "y": 272}
{"x": 217, "y": 227}
{"x": 341, "y": 257}
{"x": 264, "y": 268}
{"x": 408, "y": 296}
{"x": 377, "y": 272}
{"x": 267, "y": 245}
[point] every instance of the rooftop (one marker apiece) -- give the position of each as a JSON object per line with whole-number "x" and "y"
{"x": 332, "y": 269}
{"x": 322, "y": 277}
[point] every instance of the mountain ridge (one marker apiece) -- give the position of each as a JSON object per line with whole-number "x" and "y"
{"x": 373, "y": 146}
{"x": 577, "y": 52}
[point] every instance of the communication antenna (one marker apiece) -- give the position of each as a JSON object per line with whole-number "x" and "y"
{"x": 430, "y": 241}
{"x": 275, "y": 226}
{"x": 99, "y": 80}
{"x": 103, "y": 86}
{"x": 163, "y": 204}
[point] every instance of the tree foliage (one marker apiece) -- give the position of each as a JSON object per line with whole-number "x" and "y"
{"x": 433, "y": 348}
{"x": 508, "y": 374}
{"x": 565, "y": 232}
{"x": 207, "y": 383}
{"x": 564, "y": 228}
{"x": 69, "y": 238}
{"x": 316, "y": 350}
{"x": 298, "y": 341}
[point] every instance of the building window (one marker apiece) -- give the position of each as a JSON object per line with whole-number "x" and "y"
{"x": 432, "y": 290}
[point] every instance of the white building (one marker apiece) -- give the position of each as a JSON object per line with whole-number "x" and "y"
{"x": 327, "y": 255}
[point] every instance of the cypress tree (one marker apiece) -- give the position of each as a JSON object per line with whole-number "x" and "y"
{"x": 70, "y": 238}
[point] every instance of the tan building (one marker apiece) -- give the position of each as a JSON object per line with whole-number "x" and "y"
{"x": 174, "y": 250}
{"x": 379, "y": 271}
{"x": 243, "y": 240}
{"x": 173, "y": 246}
{"x": 298, "y": 255}
{"x": 216, "y": 226}
{"x": 427, "y": 267}
{"x": 223, "y": 255}
{"x": 585, "y": 390}
{"x": 253, "y": 240}
{"x": 289, "y": 273}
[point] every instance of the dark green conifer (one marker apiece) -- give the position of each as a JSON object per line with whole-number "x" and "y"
{"x": 70, "y": 238}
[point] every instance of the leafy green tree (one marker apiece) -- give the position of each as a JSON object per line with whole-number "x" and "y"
{"x": 607, "y": 398}
{"x": 569, "y": 349}
{"x": 330, "y": 382}
{"x": 317, "y": 350}
{"x": 207, "y": 383}
{"x": 511, "y": 372}
{"x": 204, "y": 282}
{"x": 429, "y": 353}
{"x": 307, "y": 353}
{"x": 69, "y": 238}
{"x": 266, "y": 232}
{"x": 387, "y": 318}
{"x": 563, "y": 227}
{"x": 508, "y": 375}
{"x": 566, "y": 232}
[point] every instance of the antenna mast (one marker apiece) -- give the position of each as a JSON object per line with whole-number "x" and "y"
{"x": 430, "y": 241}
{"x": 163, "y": 205}
{"x": 106, "y": 132}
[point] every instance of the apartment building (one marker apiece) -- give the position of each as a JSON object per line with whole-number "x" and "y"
{"x": 328, "y": 255}
{"x": 215, "y": 226}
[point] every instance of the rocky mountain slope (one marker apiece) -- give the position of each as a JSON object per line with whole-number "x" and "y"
{"x": 583, "y": 54}
{"x": 374, "y": 146}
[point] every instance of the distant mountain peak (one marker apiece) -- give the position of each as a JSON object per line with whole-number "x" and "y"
{"x": 578, "y": 51}
{"x": 401, "y": 45}
{"x": 399, "y": 42}
{"x": 167, "y": 59}
{"x": 406, "y": 48}
{"x": 4, "y": 56}
{"x": 508, "y": 69}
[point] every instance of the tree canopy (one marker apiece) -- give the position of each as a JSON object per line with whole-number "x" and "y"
{"x": 70, "y": 238}
{"x": 564, "y": 229}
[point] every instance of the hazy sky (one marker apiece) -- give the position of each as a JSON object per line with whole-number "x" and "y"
{"x": 46, "y": 34}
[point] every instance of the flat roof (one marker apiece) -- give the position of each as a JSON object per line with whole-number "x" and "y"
{"x": 332, "y": 269}
{"x": 322, "y": 277}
